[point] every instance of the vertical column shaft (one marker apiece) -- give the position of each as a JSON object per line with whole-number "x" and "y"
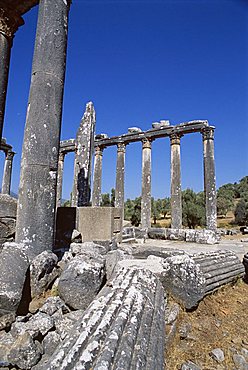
{"x": 37, "y": 190}
{"x": 60, "y": 179}
{"x": 120, "y": 173}
{"x": 7, "y": 172}
{"x": 9, "y": 22}
{"x": 146, "y": 185}
{"x": 97, "y": 186}
{"x": 209, "y": 177}
{"x": 176, "y": 197}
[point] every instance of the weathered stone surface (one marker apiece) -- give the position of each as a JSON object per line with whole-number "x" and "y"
{"x": 152, "y": 263}
{"x": 175, "y": 234}
{"x": 87, "y": 248}
{"x": 156, "y": 233}
{"x": 43, "y": 271}
{"x": 189, "y": 365}
{"x": 76, "y": 236}
{"x": 51, "y": 342}
{"x": 7, "y": 229}
{"x": 240, "y": 362}
{"x": 123, "y": 328}
{"x": 176, "y": 199}
{"x": 81, "y": 280}
{"x": 8, "y": 206}
{"x": 13, "y": 268}
{"x": 24, "y": 353}
{"x": 6, "y": 320}
{"x": 145, "y": 250}
{"x": 64, "y": 323}
{"x": 218, "y": 355}
{"x": 112, "y": 259}
{"x": 6, "y": 341}
{"x": 97, "y": 185}
{"x": 53, "y": 304}
{"x": 202, "y": 236}
{"x": 245, "y": 262}
{"x": 146, "y": 185}
{"x": 40, "y": 323}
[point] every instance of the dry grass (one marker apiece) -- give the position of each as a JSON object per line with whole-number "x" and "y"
{"x": 220, "y": 321}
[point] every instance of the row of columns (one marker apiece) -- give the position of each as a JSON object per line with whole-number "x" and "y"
{"x": 176, "y": 196}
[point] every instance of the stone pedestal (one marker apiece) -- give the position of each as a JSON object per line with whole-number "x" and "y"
{"x": 7, "y": 173}
{"x": 97, "y": 187}
{"x": 146, "y": 185}
{"x": 37, "y": 191}
{"x": 9, "y": 23}
{"x": 176, "y": 199}
{"x": 120, "y": 172}
{"x": 209, "y": 177}
{"x": 60, "y": 179}
{"x": 84, "y": 146}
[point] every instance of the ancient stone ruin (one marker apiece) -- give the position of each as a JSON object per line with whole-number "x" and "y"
{"x": 94, "y": 302}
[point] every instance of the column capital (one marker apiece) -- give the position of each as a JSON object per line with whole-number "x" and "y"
{"x": 99, "y": 150}
{"x": 121, "y": 148}
{"x": 9, "y": 155}
{"x": 146, "y": 143}
{"x": 175, "y": 138}
{"x": 9, "y": 22}
{"x": 208, "y": 133}
{"x": 62, "y": 156}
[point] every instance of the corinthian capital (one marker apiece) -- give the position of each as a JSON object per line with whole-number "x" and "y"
{"x": 9, "y": 21}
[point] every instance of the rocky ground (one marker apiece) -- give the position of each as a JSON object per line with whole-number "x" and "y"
{"x": 215, "y": 335}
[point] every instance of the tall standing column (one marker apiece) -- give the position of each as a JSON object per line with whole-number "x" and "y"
{"x": 9, "y": 23}
{"x": 7, "y": 173}
{"x": 176, "y": 196}
{"x": 209, "y": 177}
{"x": 146, "y": 184}
{"x": 60, "y": 178}
{"x": 37, "y": 190}
{"x": 120, "y": 173}
{"x": 97, "y": 186}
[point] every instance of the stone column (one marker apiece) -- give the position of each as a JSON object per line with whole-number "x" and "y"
{"x": 60, "y": 178}
{"x": 209, "y": 177}
{"x": 84, "y": 149}
{"x": 9, "y": 23}
{"x": 176, "y": 198}
{"x": 120, "y": 172}
{"x": 7, "y": 173}
{"x": 146, "y": 185}
{"x": 37, "y": 190}
{"x": 97, "y": 186}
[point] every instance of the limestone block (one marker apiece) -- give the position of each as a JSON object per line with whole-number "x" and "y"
{"x": 43, "y": 271}
{"x": 40, "y": 323}
{"x": 175, "y": 234}
{"x": 87, "y": 248}
{"x": 53, "y": 304}
{"x": 65, "y": 323}
{"x": 7, "y": 229}
{"x": 123, "y": 328}
{"x": 81, "y": 280}
{"x": 145, "y": 250}
{"x": 8, "y": 206}
{"x": 24, "y": 353}
{"x": 13, "y": 267}
{"x": 112, "y": 259}
{"x": 156, "y": 233}
{"x": 6, "y": 341}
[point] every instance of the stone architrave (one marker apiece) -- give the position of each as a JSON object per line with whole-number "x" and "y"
{"x": 60, "y": 178}
{"x": 209, "y": 177}
{"x": 146, "y": 185}
{"x": 176, "y": 199}
{"x": 120, "y": 173}
{"x": 9, "y": 23}
{"x": 84, "y": 150}
{"x": 37, "y": 191}
{"x": 7, "y": 172}
{"x": 97, "y": 186}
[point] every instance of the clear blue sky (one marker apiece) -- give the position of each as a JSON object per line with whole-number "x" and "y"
{"x": 139, "y": 62}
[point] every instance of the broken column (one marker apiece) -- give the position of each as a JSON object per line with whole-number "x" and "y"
{"x": 97, "y": 186}
{"x": 120, "y": 172}
{"x": 209, "y": 177}
{"x": 146, "y": 185}
{"x": 9, "y": 23}
{"x": 37, "y": 191}
{"x": 176, "y": 198}
{"x": 7, "y": 173}
{"x": 84, "y": 149}
{"x": 60, "y": 178}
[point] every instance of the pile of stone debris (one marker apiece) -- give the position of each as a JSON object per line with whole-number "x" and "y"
{"x": 98, "y": 306}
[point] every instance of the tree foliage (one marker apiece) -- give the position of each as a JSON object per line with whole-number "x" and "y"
{"x": 193, "y": 209}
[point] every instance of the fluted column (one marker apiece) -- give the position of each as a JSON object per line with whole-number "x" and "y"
{"x": 120, "y": 173}
{"x": 60, "y": 178}
{"x": 9, "y": 23}
{"x": 7, "y": 173}
{"x": 97, "y": 185}
{"x": 146, "y": 185}
{"x": 39, "y": 166}
{"x": 209, "y": 177}
{"x": 176, "y": 196}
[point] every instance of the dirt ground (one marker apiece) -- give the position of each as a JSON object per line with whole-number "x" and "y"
{"x": 220, "y": 321}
